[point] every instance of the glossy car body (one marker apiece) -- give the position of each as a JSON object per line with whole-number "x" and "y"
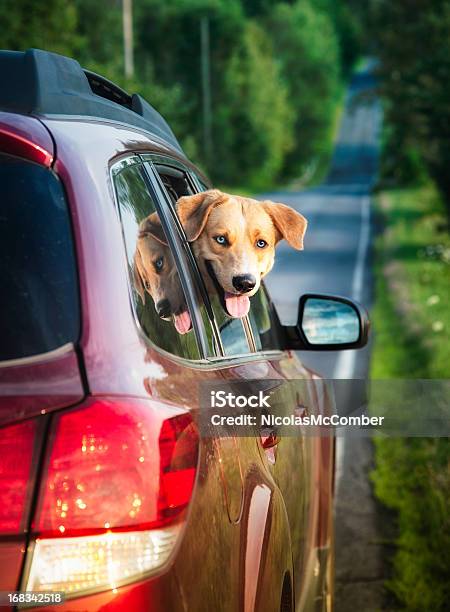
{"x": 258, "y": 530}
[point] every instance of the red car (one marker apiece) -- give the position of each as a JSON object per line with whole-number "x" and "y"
{"x": 112, "y": 496}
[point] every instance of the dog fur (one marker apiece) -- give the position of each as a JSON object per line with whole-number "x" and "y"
{"x": 248, "y": 229}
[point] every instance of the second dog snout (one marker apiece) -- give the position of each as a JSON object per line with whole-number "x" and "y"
{"x": 244, "y": 282}
{"x": 163, "y": 308}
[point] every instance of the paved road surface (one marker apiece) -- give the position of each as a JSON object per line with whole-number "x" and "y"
{"x": 337, "y": 260}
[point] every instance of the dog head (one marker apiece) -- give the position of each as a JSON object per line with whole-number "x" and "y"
{"x": 155, "y": 272}
{"x": 235, "y": 238}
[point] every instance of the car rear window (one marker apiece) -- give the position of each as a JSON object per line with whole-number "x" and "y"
{"x": 39, "y": 294}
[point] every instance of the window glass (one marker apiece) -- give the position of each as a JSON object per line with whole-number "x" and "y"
{"x": 158, "y": 296}
{"x": 263, "y": 322}
{"x": 39, "y": 293}
{"x": 234, "y": 339}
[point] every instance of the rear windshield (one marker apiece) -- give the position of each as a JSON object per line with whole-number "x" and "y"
{"x": 38, "y": 281}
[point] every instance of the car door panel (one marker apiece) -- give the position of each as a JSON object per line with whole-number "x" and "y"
{"x": 273, "y": 492}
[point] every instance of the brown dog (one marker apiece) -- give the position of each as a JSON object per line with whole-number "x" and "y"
{"x": 234, "y": 241}
{"x": 155, "y": 272}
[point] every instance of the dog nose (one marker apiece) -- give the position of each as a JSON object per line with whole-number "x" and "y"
{"x": 163, "y": 308}
{"x": 244, "y": 282}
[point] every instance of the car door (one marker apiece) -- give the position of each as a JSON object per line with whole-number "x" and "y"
{"x": 302, "y": 464}
{"x": 288, "y": 465}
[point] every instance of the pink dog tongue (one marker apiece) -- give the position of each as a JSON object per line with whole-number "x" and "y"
{"x": 183, "y": 322}
{"x": 237, "y": 305}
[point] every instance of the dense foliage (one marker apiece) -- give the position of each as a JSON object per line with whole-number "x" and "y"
{"x": 412, "y": 476}
{"x": 412, "y": 323}
{"x": 413, "y": 44}
{"x": 275, "y": 71}
{"x": 309, "y": 67}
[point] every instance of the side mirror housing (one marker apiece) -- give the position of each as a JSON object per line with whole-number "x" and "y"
{"x": 328, "y": 323}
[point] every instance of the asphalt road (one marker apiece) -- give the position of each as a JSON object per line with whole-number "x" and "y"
{"x": 337, "y": 259}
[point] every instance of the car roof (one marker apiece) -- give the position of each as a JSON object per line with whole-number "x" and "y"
{"x": 46, "y": 84}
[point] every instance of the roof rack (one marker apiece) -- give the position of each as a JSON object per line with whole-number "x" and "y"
{"x": 41, "y": 83}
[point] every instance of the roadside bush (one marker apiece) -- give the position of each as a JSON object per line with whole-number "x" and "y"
{"x": 401, "y": 164}
{"x": 413, "y": 478}
{"x": 411, "y": 322}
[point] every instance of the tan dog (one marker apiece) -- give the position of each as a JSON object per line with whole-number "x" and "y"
{"x": 155, "y": 272}
{"x": 234, "y": 241}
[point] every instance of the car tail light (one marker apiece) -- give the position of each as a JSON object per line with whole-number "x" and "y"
{"x": 15, "y": 144}
{"x": 119, "y": 476}
{"x": 16, "y": 453}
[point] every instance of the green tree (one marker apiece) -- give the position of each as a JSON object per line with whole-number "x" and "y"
{"x": 50, "y": 25}
{"x": 414, "y": 50}
{"x": 350, "y": 18}
{"x": 273, "y": 64}
{"x": 306, "y": 46}
{"x": 168, "y": 46}
{"x": 254, "y": 121}
{"x": 100, "y": 36}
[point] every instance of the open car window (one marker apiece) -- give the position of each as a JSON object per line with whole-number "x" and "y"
{"x": 263, "y": 320}
{"x": 158, "y": 298}
{"x": 178, "y": 183}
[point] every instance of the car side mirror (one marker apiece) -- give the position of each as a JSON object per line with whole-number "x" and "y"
{"x": 328, "y": 323}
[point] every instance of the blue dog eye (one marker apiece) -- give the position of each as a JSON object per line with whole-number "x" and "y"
{"x": 220, "y": 240}
{"x": 159, "y": 263}
{"x": 261, "y": 243}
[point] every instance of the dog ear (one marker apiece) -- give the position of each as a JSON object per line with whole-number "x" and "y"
{"x": 193, "y": 211}
{"x": 137, "y": 275}
{"x": 151, "y": 225}
{"x": 289, "y": 223}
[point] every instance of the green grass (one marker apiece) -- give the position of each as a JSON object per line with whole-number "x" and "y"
{"x": 411, "y": 322}
{"x": 413, "y": 280}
